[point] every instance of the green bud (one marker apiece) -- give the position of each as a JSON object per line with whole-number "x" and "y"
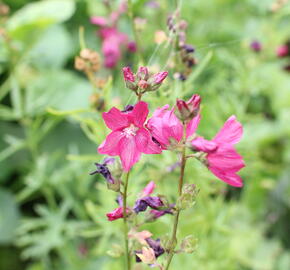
{"x": 187, "y": 198}
{"x": 189, "y": 244}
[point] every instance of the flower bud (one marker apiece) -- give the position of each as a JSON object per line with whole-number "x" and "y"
{"x": 187, "y": 199}
{"x": 143, "y": 73}
{"x": 157, "y": 79}
{"x": 189, "y": 244}
{"x": 189, "y": 109}
{"x": 129, "y": 78}
{"x": 256, "y": 46}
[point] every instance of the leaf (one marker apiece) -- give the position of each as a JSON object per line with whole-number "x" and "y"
{"x": 9, "y": 217}
{"x": 42, "y": 12}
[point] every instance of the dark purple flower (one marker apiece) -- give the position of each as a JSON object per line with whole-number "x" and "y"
{"x": 142, "y": 204}
{"x": 156, "y": 246}
{"x": 104, "y": 171}
{"x": 256, "y": 46}
{"x": 188, "y": 48}
{"x": 128, "y": 108}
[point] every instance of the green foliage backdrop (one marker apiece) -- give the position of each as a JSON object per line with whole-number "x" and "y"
{"x": 52, "y": 213}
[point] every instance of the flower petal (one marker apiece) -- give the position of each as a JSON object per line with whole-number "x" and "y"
{"x": 115, "y": 119}
{"x": 139, "y": 114}
{"x": 200, "y": 144}
{"x": 192, "y": 126}
{"x": 230, "y": 133}
{"x": 129, "y": 152}
{"x": 110, "y": 145}
{"x": 145, "y": 143}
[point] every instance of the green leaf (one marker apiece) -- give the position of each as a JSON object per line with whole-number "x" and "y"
{"x": 9, "y": 217}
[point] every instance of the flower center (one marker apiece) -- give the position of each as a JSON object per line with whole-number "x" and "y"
{"x": 130, "y": 131}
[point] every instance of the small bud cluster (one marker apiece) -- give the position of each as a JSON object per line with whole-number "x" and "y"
{"x": 143, "y": 81}
{"x": 185, "y": 51}
{"x": 256, "y": 46}
{"x": 88, "y": 61}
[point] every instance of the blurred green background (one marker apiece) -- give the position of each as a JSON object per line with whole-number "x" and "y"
{"x": 52, "y": 213}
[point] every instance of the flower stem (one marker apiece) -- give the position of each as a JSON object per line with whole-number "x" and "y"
{"x": 135, "y": 32}
{"x": 173, "y": 240}
{"x": 127, "y": 255}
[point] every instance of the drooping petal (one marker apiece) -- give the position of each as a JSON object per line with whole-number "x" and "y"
{"x": 129, "y": 152}
{"x": 200, "y": 144}
{"x": 115, "y": 119}
{"x": 99, "y": 20}
{"x": 148, "y": 189}
{"x": 192, "y": 126}
{"x": 139, "y": 114}
{"x": 230, "y": 133}
{"x": 110, "y": 145}
{"x": 145, "y": 143}
{"x": 230, "y": 178}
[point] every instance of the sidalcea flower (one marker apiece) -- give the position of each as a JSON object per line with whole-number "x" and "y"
{"x": 283, "y": 50}
{"x": 148, "y": 189}
{"x": 155, "y": 249}
{"x": 110, "y": 171}
{"x": 167, "y": 129}
{"x": 256, "y": 46}
{"x": 113, "y": 40}
{"x": 143, "y": 81}
{"x": 117, "y": 213}
{"x": 152, "y": 202}
{"x": 129, "y": 138}
{"x": 221, "y": 157}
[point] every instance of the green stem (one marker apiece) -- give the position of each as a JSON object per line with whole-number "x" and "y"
{"x": 127, "y": 254}
{"x": 173, "y": 240}
{"x": 135, "y": 32}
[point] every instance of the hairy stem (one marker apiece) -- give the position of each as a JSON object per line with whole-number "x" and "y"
{"x": 173, "y": 240}
{"x": 127, "y": 254}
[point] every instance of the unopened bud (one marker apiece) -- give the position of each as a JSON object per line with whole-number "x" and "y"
{"x": 189, "y": 109}
{"x": 129, "y": 78}
{"x": 187, "y": 199}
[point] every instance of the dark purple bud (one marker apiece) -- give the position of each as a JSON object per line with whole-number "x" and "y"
{"x": 137, "y": 258}
{"x": 156, "y": 246}
{"x": 104, "y": 171}
{"x": 256, "y": 46}
{"x": 181, "y": 77}
{"x": 142, "y": 204}
{"x": 188, "y": 48}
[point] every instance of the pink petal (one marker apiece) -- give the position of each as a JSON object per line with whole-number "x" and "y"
{"x": 129, "y": 152}
{"x": 115, "y": 119}
{"x": 148, "y": 189}
{"x": 145, "y": 144}
{"x": 98, "y": 20}
{"x": 230, "y": 133}
{"x": 110, "y": 146}
{"x": 192, "y": 126}
{"x": 139, "y": 114}
{"x": 231, "y": 179}
{"x": 116, "y": 213}
{"x": 200, "y": 144}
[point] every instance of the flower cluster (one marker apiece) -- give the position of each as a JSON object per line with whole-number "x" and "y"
{"x": 112, "y": 39}
{"x": 283, "y": 51}
{"x": 131, "y": 135}
{"x": 143, "y": 81}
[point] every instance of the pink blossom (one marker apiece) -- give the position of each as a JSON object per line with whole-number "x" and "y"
{"x": 160, "y": 77}
{"x": 129, "y": 138}
{"x": 128, "y": 74}
{"x": 222, "y": 158}
{"x": 116, "y": 214}
{"x": 148, "y": 189}
{"x": 165, "y": 126}
{"x": 282, "y": 51}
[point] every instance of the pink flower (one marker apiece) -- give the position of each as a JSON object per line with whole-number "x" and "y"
{"x": 129, "y": 138}
{"x": 128, "y": 74}
{"x": 283, "y": 51}
{"x": 222, "y": 158}
{"x": 117, "y": 213}
{"x": 166, "y": 128}
{"x": 160, "y": 77}
{"x": 148, "y": 189}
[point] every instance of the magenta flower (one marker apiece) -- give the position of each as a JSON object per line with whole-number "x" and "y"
{"x": 117, "y": 213}
{"x": 283, "y": 51}
{"x": 166, "y": 128}
{"x": 148, "y": 189}
{"x": 222, "y": 159}
{"x": 129, "y": 138}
